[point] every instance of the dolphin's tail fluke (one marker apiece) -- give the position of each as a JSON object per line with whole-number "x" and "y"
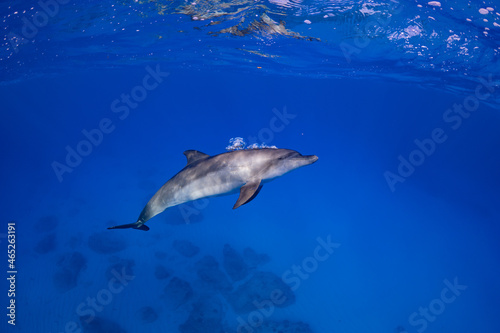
{"x": 137, "y": 225}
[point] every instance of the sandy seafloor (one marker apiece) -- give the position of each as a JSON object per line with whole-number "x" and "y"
{"x": 394, "y": 250}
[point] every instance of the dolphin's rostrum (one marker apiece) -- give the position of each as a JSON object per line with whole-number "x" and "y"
{"x": 208, "y": 176}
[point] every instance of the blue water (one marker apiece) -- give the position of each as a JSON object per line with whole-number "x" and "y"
{"x": 394, "y": 229}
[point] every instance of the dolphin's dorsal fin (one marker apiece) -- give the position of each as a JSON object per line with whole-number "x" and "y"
{"x": 194, "y": 155}
{"x": 248, "y": 192}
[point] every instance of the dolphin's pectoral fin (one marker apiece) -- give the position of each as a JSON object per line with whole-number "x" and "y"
{"x": 247, "y": 193}
{"x": 136, "y": 225}
{"x": 194, "y": 155}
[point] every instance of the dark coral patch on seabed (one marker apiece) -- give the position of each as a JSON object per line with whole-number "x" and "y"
{"x": 205, "y": 316}
{"x": 261, "y": 287}
{"x": 177, "y": 292}
{"x": 147, "y": 314}
{"x": 46, "y": 224}
{"x": 234, "y": 264}
{"x": 46, "y": 244}
{"x": 106, "y": 242}
{"x": 186, "y": 248}
{"x": 70, "y": 265}
{"x": 100, "y": 325}
{"x": 209, "y": 272}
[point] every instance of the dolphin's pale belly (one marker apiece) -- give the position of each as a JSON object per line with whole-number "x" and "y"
{"x": 211, "y": 185}
{"x": 174, "y": 193}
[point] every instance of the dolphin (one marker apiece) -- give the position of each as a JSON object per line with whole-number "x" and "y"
{"x": 209, "y": 176}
